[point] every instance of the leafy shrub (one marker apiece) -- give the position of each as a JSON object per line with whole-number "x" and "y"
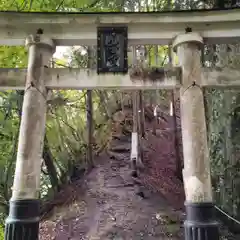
{"x": 1, "y": 232}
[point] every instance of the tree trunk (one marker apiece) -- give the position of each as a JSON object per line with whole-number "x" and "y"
{"x": 140, "y": 124}
{"x": 103, "y": 103}
{"x": 51, "y": 169}
{"x": 135, "y": 112}
{"x": 157, "y": 114}
{"x": 175, "y": 129}
{"x": 134, "y": 145}
{"x": 142, "y": 114}
{"x": 136, "y": 149}
{"x": 89, "y": 108}
{"x": 89, "y": 129}
{"x": 176, "y": 139}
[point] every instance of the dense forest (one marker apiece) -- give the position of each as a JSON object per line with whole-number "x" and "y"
{"x": 66, "y": 151}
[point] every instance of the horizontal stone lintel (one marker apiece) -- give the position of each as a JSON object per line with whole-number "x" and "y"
{"x": 66, "y": 78}
{"x": 136, "y": 78}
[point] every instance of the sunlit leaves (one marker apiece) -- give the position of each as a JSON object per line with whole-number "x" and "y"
{"x": 58, "y": 5}
{"x": 11, "y": 57}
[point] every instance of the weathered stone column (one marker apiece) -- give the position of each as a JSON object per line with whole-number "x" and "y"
{"x": 200, "y": 223}
{"x": 23, "y": 220}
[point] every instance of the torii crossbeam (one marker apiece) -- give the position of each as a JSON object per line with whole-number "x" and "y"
{"x": 44, "y": 31}
{"x": 170, "y": 78}
{"x": 68, "y": 29}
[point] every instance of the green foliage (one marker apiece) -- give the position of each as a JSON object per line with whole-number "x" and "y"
{"x": 13, "y": 57}
{"x": 9, "y": 125}
{"x": 1, "y": 233}
{"x": 66, "y": 5}
{"x": 224, "y": 144}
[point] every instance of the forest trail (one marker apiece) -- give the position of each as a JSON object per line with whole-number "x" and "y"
{"x": 109, "y": 204}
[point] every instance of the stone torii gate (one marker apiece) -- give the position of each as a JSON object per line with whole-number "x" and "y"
{"x": 42, "y": 32}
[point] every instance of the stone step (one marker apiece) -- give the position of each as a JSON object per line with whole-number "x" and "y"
{"x": 121, "y": 138}
{"x": 117, "y": 156}
{"x": 121, "y": 148}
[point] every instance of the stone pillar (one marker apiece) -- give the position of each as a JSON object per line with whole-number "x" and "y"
{"x": 200, "y": 223}
{"x": 23, "y": 220}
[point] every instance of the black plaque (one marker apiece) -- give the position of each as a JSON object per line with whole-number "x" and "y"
{"x": 112, "y": 43}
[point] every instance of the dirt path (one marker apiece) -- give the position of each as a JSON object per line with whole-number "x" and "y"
{"x": 110, "y": 209}
{"x": 106, "y": 206}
